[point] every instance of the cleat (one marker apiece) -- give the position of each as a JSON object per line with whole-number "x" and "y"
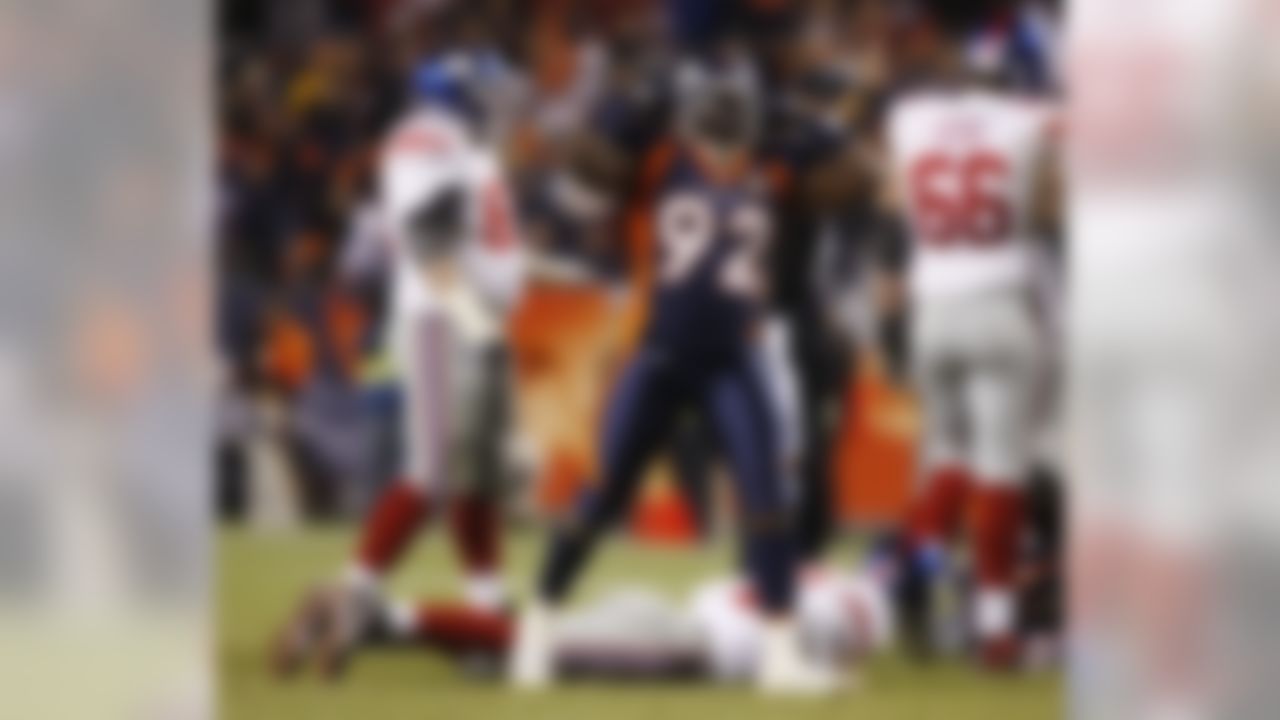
{"x": 785, "y": 671}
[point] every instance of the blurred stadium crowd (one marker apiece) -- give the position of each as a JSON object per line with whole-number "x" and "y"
{"x": 309, "y": 87}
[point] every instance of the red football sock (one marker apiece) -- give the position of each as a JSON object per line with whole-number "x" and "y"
{"x": 475, "y": 532}
{"x": 459, "y": 628}
{"x": 939, "y": 511}
{"x": 390, "y": 527}
{"x": 996, "y": 528}
{"x": 997, "y": 523}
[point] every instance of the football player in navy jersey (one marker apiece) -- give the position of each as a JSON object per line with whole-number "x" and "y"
{"x": 708, "y": 207}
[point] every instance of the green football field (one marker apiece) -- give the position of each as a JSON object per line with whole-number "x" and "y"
{"x": 260, "y": 576}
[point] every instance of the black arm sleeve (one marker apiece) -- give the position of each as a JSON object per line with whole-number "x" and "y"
{"x": 891, "y": 250}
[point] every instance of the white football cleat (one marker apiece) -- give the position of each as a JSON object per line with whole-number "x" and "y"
{"x": 531, "y": 661}
{"x": 784, "y": 669}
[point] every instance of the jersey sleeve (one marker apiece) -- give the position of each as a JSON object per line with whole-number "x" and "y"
{"x": 366, "y": 249}
{"x": 653, "y": 170}
{"x": 893, "y": 139}
{"x": 639, "y": 216}
{"x": 498, "y": 225}
{"x": 501, "y": 267}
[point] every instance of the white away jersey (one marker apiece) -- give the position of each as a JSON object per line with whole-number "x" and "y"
{"x": 430, "y": 152}
{"x": 965, "y": 165}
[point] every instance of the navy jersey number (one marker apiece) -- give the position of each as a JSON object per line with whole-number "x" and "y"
{"x": 687, "y": 230}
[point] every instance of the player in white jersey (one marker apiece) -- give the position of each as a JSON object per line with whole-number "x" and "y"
{"x": 635, "y": 633}
{"x": 457, "y": 267}
{"x": 969, "y": 167}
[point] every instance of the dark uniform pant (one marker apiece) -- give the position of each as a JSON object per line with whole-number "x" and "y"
{"x": 647, "y": 402}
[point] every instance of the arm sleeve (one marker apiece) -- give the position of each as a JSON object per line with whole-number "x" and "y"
{"x": 501, "y": 257}
{"x": 891, "y": 249}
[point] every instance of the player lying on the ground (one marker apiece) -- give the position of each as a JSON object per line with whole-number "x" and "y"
{"x": 630, "y": 633}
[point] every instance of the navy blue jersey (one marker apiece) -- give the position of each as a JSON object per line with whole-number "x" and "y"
{"x": 710, "y": 238}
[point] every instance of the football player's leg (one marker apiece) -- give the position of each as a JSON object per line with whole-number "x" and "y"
{"x": 644, "y": 403}
{"x": 999, "y": 394}
{"x": 425, "y": 356}
{"x": 475, "y": 504}
{"x": 819, "y": 382}
{"x": 941, "y": 498}
{"x": 692, "y": 458}
{"x": 739, "y": 409}
{"x": 741, "y": 414}
{"x": 456, "y": 628}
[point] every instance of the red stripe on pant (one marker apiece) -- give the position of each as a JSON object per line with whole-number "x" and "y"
{"x": 391, "y": 526}
{"x": 997, "y": 526}
{"x": 401, "y": 508}
{"x": 939, "y": 512}
{"x": 460, "y": 628}
{"x": 997, "y": 516}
